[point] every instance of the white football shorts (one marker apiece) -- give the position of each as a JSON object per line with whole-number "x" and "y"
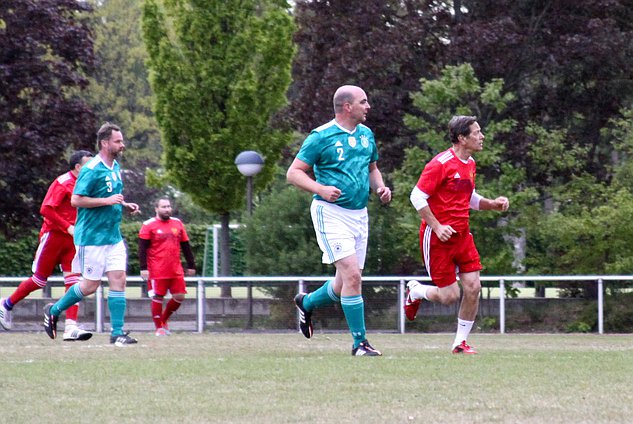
{"x": 94, "y": 261}
{"x": 340, "y": 232}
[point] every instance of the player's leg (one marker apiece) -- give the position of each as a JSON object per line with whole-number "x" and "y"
{"x": 467, "y": 310}
{"x": 349, "y": 274}
{"x": 469, "y": 267}
{"x": 438, "y": 261}
{"x": 70, "y": 279}
{"x": 116, "y": 262}
{"x": 156, "y": 290}
{"x": 88, "y": 261}
{"x": 178, "y": 290}
{"x": 46, "y": 258}
{"x": 326, "y": 227}
{"x": 72, "y": 331}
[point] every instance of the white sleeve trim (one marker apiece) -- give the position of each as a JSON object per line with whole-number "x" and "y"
{"x": 418, "y": 198}
{"x": 475, "y": 198}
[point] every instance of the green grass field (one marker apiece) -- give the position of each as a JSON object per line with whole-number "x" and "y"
{"x": 284, "y": 378}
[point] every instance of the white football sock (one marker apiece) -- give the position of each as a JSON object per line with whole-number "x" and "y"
{"x": 418, "y": 291}
{"x": 463, "y": 330}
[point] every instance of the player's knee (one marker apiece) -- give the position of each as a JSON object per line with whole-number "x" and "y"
{"x": 472, "y": 290}
{"x": 354, "y": 281}
{"x": 178, "y": 297}
{"x": 40, "y": 280}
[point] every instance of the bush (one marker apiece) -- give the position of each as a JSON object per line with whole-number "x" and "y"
{"x": 17, "y": 255}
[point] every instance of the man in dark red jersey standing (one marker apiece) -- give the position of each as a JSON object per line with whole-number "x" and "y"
{"x": 443, "y": 197}
{"x": 161, "y": 239}
{"x": 56, "y": 247}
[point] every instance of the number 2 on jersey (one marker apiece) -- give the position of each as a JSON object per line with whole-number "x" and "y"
{"x": 340, "y": 153}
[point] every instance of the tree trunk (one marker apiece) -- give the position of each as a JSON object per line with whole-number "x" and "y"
{"x": 457, "y": 7}
{"x": 225, "y": 254}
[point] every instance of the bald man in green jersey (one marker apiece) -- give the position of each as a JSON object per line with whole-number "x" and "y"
{"x": 342, "y": 154}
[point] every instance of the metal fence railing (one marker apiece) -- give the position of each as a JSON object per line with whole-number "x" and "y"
{"x": 201, "y": 283}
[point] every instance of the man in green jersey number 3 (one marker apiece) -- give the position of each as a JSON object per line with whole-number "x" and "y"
{"x": 343, "y": 155}
{"x": 99, "y": 247}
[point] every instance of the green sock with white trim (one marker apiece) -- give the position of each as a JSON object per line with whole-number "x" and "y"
{"x": 354, "y": 310}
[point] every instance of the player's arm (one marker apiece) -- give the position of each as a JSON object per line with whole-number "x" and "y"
{"x": 79, "y": 201}
{"x": 133, "y": 208}
{"x": 297, "y": 175}
{"x": 143, "y": 245}
{"x": 419, "y": 201}
{"x": 377, "y": 184}
{"x": 479, "y": 202}
{"x": 50, "y": 213}
{"x": 191, "y": 263}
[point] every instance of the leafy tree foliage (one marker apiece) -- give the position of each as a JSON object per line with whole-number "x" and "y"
{"x": 220, "y": 71}
{"x": 281, "y": 224}
{"x": 569, "y": 62}
{"x": 45, "y": 50}
{"x": 119, "y": 92}
{"x": 384, "y": 46}
{"x": 559, "y": 245}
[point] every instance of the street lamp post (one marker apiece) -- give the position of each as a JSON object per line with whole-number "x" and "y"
{"x": 249, "y": 163}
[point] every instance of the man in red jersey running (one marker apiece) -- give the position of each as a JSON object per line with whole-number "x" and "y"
{"x": 443, "y": 197}
{"x": 56, "y": 247}
{"x": 161, "y": 239}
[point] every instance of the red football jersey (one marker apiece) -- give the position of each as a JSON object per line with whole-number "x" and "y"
{"x": 450, "y": 183}
{"x": 56, "y": 209}
{"x": 163, "y": 254}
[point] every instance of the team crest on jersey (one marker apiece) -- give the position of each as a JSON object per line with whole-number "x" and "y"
{"x": 351, "y": 141}
{"x": 337, "y": 247}
{"x": 174, "y": 231}
{"x": 364, "y": 141}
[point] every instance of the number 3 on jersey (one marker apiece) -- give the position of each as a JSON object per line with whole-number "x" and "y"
{"x": 108, "y": 182}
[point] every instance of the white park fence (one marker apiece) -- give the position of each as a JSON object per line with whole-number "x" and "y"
{"x": 201, "y": 283}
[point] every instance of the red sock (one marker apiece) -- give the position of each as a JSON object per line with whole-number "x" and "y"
{"x": 157, "y": 311}
{"x": 25, "y": 288}
{"x": 69, "y": 281}
{"x": 172, "y": 306}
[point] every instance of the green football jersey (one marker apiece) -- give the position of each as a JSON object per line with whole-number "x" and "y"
{"x": 98, "y": 226}
{"x": 341, "y": 158}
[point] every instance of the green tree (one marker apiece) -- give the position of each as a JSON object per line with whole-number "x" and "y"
{"x": 219, "y": 71}
{"x": 46, "y": 50}
{"x": 568, "y": 61}
{"x": 601, "y": 218}
{"x": 119, "y": 92}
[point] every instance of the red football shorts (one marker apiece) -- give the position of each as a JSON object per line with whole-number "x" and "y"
{"x": 159, "y": 286}
{"x": 55, "y": 248}
{"x": 444, "y": 260}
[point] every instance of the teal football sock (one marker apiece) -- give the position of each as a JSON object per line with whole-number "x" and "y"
{"x": 354, "y": 310}
{"x": 72, "y": 296}
{"x": 116, "y": 306}
{"x": 323, "y": 296}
